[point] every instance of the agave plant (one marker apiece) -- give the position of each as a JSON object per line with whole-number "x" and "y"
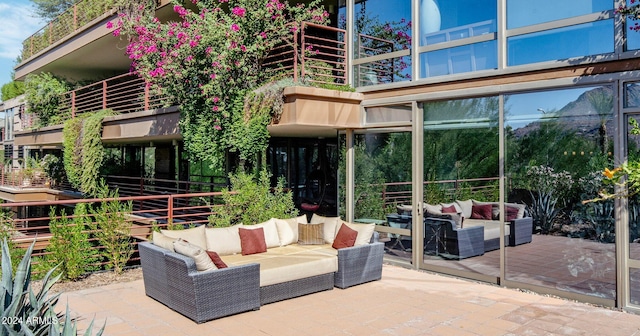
{"x": 25, "y": 312}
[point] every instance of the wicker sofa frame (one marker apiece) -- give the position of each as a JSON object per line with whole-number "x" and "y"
{"x": 173, "y": 280}
{"x": 468, "y": 242}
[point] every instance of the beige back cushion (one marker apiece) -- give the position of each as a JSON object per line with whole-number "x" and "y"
{"x": 288, "y": 229}
{"x": 224, "y": 241}
{"x": 365, "y": 231}
{"x": 331, "y": 226}
{"x": 270, "y": 232}
{"x": 163, "y": 241}
{"x": 194, "y": 235}
{"x": 200, "y": 256}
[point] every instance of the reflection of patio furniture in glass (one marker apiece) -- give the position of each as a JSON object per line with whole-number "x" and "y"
{"x": 460, "y": 243}
{"x": 434, "y": 237}
{"x": 401, "y": 222}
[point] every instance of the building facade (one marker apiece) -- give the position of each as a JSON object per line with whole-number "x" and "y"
{"x": 500, "y": 101}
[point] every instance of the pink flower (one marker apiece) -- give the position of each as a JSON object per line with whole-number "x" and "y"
{"x": 243, "y": 48}
{"x": 189, "y": 58}
{"x": 208, "y": 50}
{"x": 116, "y": 32}
{"x": 235, "y": 27}
{"x": 180, "y": 10}
{"x": 233, "y": 45}
{"x": 109, "y": 25}
{"x": 222, "y": 1}
{"x": 213, "y": 76}
{"x": 216, "y": 99}
{"x": 215, "y": 108}
{"x": 239, "y": 11}
{"x": 193, "y": 43}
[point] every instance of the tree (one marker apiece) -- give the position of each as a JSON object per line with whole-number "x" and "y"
{"x": 50, "y": 9}
{"x": 12, "y": 90}
{"x": 209, "y": 59}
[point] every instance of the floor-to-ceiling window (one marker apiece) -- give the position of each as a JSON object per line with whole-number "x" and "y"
{"x": 557, "y": 143}
{"x": 461, "y": 170}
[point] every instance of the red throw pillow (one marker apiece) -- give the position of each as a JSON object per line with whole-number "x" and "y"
{"x": 252, "y": 241}
{"x": 346, "y": 237}
{"x": 512, "y": 213}
{"x": 216, "y": 259}
{"x": 481, "y": 211}
{"x": 449, "y": 209}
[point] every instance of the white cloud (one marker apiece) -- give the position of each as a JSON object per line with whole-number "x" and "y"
{"x": 16, "y": 24}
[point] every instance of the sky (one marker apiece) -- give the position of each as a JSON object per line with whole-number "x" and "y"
{"x": 16, "y": 24}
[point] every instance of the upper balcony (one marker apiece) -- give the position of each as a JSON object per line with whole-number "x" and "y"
{"x": 77, "y": 45}
{"x": 148, "y": 116}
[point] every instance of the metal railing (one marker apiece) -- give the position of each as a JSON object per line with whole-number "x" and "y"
{"x": 400, "y": 192}
{"x": 179, "y": 209}
{"x": 124, "y": 93}
{"x": 318, "y": 53}
{"x": 20, "y": 178}
{"x": 65, "y": 24}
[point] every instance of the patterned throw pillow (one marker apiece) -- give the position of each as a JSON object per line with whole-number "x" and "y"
{"x": 311, "y": 234}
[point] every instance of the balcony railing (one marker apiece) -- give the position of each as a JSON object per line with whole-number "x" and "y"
{"x": 65, "y": 24}
{"x": 179, "y": 209}
{"x": 125, "y": 94}
{"x": 19, "y": 178}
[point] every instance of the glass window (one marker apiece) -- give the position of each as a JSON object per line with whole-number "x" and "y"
{"x": 633, "y": 37}
{"x": 632, "y": 94}
{"x": 472, "y": 57}
{"x": 461, "y": 164}
{"x": 389, "y": 70}
{"x": 525, "y": 13}
{"x": 556, "y": 145}
{"x": 574, "y": 41}
{"x": 381, "y": 26}
{"x": 443, "y": 21}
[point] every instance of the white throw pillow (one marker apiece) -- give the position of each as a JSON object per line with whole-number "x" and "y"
{"x": 466, "y": 207}
{"x": 365, "y": 231}
{"x": 200, "y": 256}
{"x": 331, "y": 226}
{"x": 285, "y": 232}
{"x": 194, "y": 235}
{"x": 288, "y": 229}
{"x": 434, "y": 209}
{"x": 163, "y": 241}
{"x": 224, "y": 241}
{"x": 270, "y": 232}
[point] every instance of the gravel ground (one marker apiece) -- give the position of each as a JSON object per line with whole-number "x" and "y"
{"x": 93, "y": 280}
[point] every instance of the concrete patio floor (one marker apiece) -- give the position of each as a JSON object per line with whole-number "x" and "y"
{"x": 404, "y": 302}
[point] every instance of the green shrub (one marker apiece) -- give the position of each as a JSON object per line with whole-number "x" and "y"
{"x": 69, "y": 246}
{"x": 253, "y": 201}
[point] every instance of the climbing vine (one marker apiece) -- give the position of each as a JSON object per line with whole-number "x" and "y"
{"x": 83, "y": 151}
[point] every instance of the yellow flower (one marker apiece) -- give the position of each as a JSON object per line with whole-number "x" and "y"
{"x": 609, "y": 173}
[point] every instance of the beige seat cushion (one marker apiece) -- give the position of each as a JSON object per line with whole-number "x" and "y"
{"x": 297, "y": 266}
{"x": 331, "y": 226}
{"x": 491, "y": 228}
{"x": 194, "y": 235}
{"x": 224, "y": 240}
{"x": 200, "y": 256}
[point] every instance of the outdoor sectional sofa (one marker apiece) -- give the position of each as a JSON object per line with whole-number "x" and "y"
{"x": 289, "y": 267}
{"x": 471, "y": 228}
